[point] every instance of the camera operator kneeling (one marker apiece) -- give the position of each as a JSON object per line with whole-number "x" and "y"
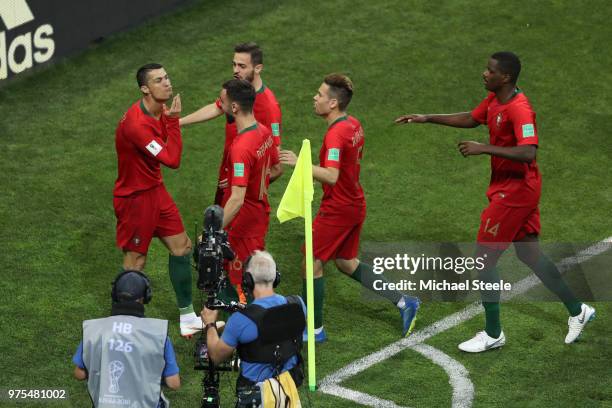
{"x": 268, "y": 337}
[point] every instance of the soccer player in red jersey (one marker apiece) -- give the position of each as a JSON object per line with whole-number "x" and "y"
{"x": 512, "y": 215}
{"x": 253, "y": 164}
{"x": 247, "y": 65}
{"x": 337, "y": 227}
{"x": 147, "y": 137}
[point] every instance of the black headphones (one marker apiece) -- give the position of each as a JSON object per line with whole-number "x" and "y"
{"x": 147, "y": 292}
{"x": 248, "y": 283}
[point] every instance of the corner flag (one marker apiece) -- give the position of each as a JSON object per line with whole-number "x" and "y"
{"x": 297, "y": 202}
{"x": 297, "y": 199}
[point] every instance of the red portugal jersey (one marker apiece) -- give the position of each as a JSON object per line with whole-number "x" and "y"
{"x": 251, "y": 156}
{"x": 266, "y": 111}
{"x": 342, "y": 149}
{"x": 143, "y": 143}
{"x": 513, "y": 183}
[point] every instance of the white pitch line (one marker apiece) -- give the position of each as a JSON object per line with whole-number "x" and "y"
{"x": 359, "y": 397}
{"x": 330, "y": 383}
{"x": 392, "y": 349}
{"x": 458, "y": 375}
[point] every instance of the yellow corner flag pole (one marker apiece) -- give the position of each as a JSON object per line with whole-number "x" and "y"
{"x": 297, "y": 202}
{"x": 312, "y": 374}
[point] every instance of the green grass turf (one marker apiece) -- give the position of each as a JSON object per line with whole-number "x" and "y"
{"x": 58, "y": 169}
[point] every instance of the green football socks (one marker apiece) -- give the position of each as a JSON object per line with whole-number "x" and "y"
{"x": 180, "y": 276}
{"x": 493, "y": 323}
{"x": 490, "y": 302}
{"x": 364, "y": 275}
{"x": 319, "y": 295}
{"x": 548, "y": 273}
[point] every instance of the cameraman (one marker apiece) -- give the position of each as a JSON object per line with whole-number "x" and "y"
{"x": 267, "y": 335}
{"x": 126, "y": 357}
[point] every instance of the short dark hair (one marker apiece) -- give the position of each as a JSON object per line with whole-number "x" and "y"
{"x": 341, "y": 88}
{"x": 141, "y": 74}
{"x": 241, "y": 92}
{"x": 509, "y": 63}
{"x": 253, "y": 50}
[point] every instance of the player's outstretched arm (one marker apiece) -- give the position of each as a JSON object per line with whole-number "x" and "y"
{"x": 325, "y": 175}
{"x": 458, "y": 120}
{"x": 203, "y": 114}
{"x": 287, "y": 157}
{"x": 523, "y": 153}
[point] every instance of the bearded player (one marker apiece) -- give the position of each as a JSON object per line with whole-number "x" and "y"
{"x": 512, "y": 215}
{"x": 147, "y": 137}
{"x": 337, "y": 227}
{"x": 253, "y": 164}
{"x": 247, "y": 65}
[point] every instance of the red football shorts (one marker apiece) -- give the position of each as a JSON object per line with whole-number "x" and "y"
{"x": 335, "y": 241}
{"x": 501, "y": 225}
{"x": 243, "y": 248}
{"x": 145, "y": 215}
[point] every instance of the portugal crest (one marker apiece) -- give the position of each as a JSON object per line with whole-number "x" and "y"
{"x": 498, "y": 119}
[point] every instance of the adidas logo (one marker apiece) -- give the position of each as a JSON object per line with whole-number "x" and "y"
{"x": 24, "y": 50}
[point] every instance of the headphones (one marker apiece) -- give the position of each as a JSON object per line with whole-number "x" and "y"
{"x": 248, "y": 282}
{"x": 148, "y": 294}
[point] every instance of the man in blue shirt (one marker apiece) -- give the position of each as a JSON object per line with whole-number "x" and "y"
{"x": 242, "y": 331}
{"x": 126, "y": 357}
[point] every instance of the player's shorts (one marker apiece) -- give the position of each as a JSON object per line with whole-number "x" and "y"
{"x": 335, "y": 241}
{"x": 501, "y": 225}
{"x": 145, "y": 215}
{"x": 243, "y": 248}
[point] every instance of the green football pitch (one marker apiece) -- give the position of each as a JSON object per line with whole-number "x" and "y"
{"x": 59, "y": 166}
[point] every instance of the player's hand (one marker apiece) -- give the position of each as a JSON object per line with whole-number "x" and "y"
{"x": 223, "y": 183}
{"x": 412, "y": 118}
{"x": 470, "y": 148}
{"x": 209, "y": 316}
{"x": 287, "y": 157}
{"x": 175, "y": 108}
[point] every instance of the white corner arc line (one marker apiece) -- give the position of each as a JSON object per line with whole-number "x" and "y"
{"x": 458, "y": 375}
{"x": 392, "y": 349}
{"x": 330, "y": 383}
